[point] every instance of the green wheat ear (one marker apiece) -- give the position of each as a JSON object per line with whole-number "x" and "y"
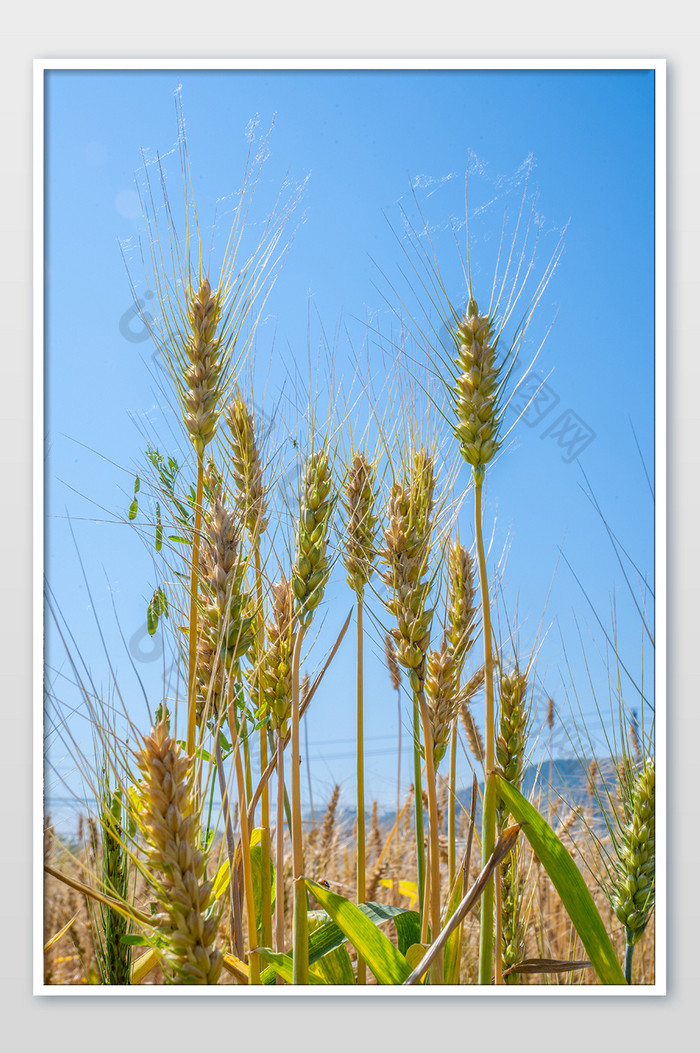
{"x": 311, "y": 570}
{"x": 633, "y": 898}
{"x": 246, "y": 466}
{"x": 477, "y": 388}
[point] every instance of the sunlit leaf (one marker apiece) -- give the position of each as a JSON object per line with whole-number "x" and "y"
{"x": 568, "y": 881}
{"x": 386, "y": 962}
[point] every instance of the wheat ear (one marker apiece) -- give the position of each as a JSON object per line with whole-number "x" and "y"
{"x": 309, "y": 577}
{"x": 246, "y": 467}
{"x": 404, "y": 553}
{"x": 225, "y": 626}
{"x": 633, "y": 896}
{"x": 510, "y": 753}
{"x": 170, "y": 823}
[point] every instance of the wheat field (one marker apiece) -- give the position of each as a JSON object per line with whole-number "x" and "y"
{"x": 199, "y": 864}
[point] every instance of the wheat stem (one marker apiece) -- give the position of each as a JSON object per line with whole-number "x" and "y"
{"x": 236, "y": 925}
{"x": 253, "y": 960}
{"x": 361, "y": 877}
{"x": 433, "y": 833}
{"x": 451, "y": 809}
{"x": 279, "y": 847}
{"x": 265, "y": 797}
{"x": 488, "y": 838}
{"x": 418, "y": 807}
{"x": 300, "y": 921}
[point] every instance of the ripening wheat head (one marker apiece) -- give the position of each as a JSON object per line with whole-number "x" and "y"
{"x": 187, "y": 922}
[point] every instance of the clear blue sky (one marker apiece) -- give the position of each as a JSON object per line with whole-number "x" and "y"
{"x": 365, "y": 138}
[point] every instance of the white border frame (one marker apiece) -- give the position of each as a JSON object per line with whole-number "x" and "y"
{"x": 41, "y": 66}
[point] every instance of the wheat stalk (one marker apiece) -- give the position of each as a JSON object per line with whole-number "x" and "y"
{"x": 358, "y": 556}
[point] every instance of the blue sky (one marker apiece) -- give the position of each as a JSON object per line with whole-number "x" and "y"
{"x": 371, "y": 143}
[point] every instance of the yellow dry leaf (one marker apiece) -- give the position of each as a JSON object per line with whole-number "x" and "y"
{"x": 406, "y": 888}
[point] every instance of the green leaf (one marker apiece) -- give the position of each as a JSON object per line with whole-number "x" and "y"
{"x": 133, "y": 509}
{"x": 388, "y": 965}
{"x": 568, "y": 881}
{"x": 407, "y": 925}
{"x": 328, "y": 935}
{"x": 256, "y": 861}
{"x": 137, "y": 484}
{"x": 132, "y": 940}
{"x": 160, "y": 603}
{"x": 283, "y": 964}
{"x": 335, "y": 968}
{"x": 200, "y": 754}
{"x": 151, "y": 618}
{"x": 159, "y": 530}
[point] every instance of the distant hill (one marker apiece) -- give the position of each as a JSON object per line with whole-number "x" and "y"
{"x": 569, "y": 789}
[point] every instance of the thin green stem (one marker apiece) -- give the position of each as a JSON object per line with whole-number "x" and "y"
{"x": 279, "y": 848}
{"x": 300, "y": 921}
{"x": 488, "y": 835}
{"x": 398, "y": 806}
{"x": 236, "y": 927}
{"x": 629, "y": 951}
{"x": 433, "y": 835}
{"x": 361, "y": 964}
{"x": 418, "y": 807}
{"x": 265, "y": 797}
{"x": 451, "y": 810}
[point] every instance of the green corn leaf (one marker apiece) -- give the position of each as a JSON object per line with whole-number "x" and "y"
{"x": 568, "y": 881}
{"x": 335, "y": 968}
{"x": 283, "y": 964}
{"x": 388, "y": 965}
{"x": 328, "y": 935}
{"x": 407, "y": 925}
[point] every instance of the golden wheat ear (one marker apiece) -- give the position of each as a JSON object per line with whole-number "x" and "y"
{"x": 225, "y": 623}
{"x": 170, "y": 824}
{"x": 201, "y": 390}
{"x": 360, "y": 524}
